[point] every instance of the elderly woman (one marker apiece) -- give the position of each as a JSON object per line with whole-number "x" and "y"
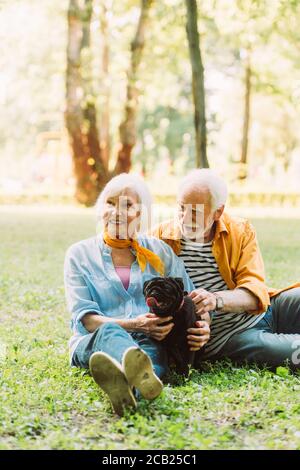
{"x": 114, "y": 334}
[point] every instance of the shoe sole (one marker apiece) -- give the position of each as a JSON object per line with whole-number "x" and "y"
{"x": 140, "y": 374}
{"x": 110, "y": 377}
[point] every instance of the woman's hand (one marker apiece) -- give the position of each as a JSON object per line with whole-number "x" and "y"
{"x": 151, "y": 325}
{"x": 199, "y": 336}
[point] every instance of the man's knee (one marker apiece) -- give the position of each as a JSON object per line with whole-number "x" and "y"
{"x": 291, "y": 296}
{"x": 277, "y": 353}
{"x": 261, "y": 348}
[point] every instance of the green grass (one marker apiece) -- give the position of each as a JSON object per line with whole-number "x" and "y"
{"x": 45, "y": 404}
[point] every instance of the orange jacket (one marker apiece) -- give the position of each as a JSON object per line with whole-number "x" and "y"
{"x": 237, "y": 254}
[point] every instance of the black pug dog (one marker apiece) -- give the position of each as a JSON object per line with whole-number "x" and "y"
{"x": 166, "y": 297}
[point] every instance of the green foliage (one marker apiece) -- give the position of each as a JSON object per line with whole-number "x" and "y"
{"x": 32, "y": 85}
{"x": 45, "y": 404}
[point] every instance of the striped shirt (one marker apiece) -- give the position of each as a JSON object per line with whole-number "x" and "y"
{"x": 201, "y": 266}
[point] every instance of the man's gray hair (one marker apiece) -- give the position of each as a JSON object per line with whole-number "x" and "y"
{"x": 206, "y": 178}
{"x": 128, "y": 181}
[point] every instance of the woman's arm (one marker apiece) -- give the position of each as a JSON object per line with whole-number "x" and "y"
{"x": 146, "y": 323}
{"x": 78, "y": 296}
{"x": 86, "y": 313}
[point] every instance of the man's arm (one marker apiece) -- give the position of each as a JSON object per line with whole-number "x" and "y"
{"x": 238, "y": 300}
{"x": 250, "y": 294}
{"x": 249, "y": 274}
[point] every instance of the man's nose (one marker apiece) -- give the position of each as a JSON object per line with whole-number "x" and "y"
{"x": 187, "y": 217}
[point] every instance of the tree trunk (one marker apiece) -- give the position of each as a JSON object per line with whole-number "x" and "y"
{"x": 246, "y": 119}
{"x": 105, "y": 115}
{"x": 80, "y": 116}
{"x": 197, "y": 83}
{"x": 127, "y": 128}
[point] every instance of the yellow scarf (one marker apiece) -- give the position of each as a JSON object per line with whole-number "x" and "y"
{"x": 143, "y": 255}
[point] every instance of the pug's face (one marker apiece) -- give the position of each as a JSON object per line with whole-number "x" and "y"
{"x": 164, "y": 295}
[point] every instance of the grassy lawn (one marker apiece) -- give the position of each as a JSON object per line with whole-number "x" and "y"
{"x": 44, "y": 404}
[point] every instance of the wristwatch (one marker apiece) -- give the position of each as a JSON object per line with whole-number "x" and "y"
{"x": 219, "y": 302}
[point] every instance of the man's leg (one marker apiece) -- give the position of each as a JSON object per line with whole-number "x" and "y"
{"x": 286, "y": 311}
{"x": 259, "y": 345}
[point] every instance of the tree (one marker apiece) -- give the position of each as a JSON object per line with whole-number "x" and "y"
{"x": 81, "y": 117}
{"x": 90, "y": 151}
{"x": 105, "y": 143}
{"x": 128, "y": 126}
{"x": 246, "y": 27}
{"x": 198, "y": 83}
{"x": 246, "y": 118}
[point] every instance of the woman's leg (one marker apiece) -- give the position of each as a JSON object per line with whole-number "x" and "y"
{"x": 109, "y": 338}
{"x": 102, "y": 352}
{"x": 113, "y": 341}
{"x": 155, "y": 351}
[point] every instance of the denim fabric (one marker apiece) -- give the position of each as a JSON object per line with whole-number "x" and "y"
{"x": 92, "y": 284}
{"x": 273, "y": 341}
{"x": 114, "y": 340}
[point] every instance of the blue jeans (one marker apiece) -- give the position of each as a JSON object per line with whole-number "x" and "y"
{"x": 273, "y": 341}
{"x": 114, "y": 340}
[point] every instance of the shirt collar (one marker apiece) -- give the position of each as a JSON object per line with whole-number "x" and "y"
{"x": 220, "y": 227}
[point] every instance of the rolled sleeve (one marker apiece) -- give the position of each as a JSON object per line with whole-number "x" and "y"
{"x": 78, "y": 297}
{"x": 250, "y": 272}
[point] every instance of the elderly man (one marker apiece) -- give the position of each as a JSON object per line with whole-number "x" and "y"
{"x": 250, "y": 323}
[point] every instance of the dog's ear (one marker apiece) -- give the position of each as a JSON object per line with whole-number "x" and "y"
{"x": 145, "y": 286}
{"x": 179, "y": 282}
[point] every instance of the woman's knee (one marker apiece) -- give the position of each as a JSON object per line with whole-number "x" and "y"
{"x": 108, "y": 328}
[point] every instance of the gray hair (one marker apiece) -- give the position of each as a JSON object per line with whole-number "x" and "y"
{"x": 128, "y": 181}
{"x": 206, "y": 178}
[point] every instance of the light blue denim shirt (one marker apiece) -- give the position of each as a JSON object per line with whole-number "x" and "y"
{"x": 92, "y": 284}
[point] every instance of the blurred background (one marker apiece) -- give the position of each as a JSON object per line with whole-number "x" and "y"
{"x": 92, "y": 88}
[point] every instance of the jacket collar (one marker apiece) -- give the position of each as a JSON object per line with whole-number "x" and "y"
{"x": 221, "y": 226}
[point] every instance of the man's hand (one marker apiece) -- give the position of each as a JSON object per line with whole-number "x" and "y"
{"x": 150, "y": 324}
{"x": 204, "y": 301}
{"x": 198, "y": 336}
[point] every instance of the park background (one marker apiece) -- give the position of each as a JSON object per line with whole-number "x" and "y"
{"x": 89, "y": 89}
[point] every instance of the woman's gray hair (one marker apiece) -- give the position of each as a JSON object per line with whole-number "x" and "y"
{"x": 206, "y": 178}
{"x": 128, "y": 181}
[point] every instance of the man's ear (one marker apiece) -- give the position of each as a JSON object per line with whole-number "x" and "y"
{"x": 218, "y": 213}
